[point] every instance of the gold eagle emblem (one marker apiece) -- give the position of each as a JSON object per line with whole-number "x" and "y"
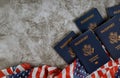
{"x": 114, "y": 37}
{"x": 92, "y": 26}
{"x": 72, "y": 54}
{"x": 88, "y": 50}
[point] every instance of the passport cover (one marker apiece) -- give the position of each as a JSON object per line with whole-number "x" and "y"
{"x": 112, "y": 11}
{"x": 64, "y": 50}
{"x": 89, "y": 20}
{"x": 89, "y": 51}
{"x": 109, "y": 34}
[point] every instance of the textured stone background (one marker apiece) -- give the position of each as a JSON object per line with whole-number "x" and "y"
{"x": 30, "y": 28}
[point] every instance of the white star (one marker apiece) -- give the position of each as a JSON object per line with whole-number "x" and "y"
{"x": 23, "y": 74}
{"x": 17, "y": 75}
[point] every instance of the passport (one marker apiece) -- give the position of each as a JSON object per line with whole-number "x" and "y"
{"x": 89, "y": 20}
{"x": 109, "y": 34}
{"x": 64, "y": 50}
{"x": 112, "y": 11}
{"x": 89, "y": 51}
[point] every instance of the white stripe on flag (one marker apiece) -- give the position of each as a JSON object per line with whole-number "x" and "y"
{"x": 64, "y": 73}
{"x": 106, "y": 65}
{"x": 71, "y": 70}
{"x": 51, "y": 68}
{"x": 103, "y": 71}
{"x": 114, "y": 63}
{"x": 4, "y": 77}
{"x": 42, "y": 72}
{"x": 11, "y": 69}
{"x": 108, "y": 75}
{"x": 34, "y": 72}
{"x": 96, "y": 74}
{"x": 20, "y": 68}
{"x": 5, "y": 72}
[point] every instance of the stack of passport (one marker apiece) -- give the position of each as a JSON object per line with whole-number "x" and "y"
{"x": 96, "y": 33}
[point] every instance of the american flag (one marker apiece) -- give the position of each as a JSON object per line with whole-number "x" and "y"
{"x": 74, "y": 70}
{"x": 26, "y": 71}
{"x": 106, "y": 71}
{"x": 117, "y": 75}
{"x": 6, "y": 73}
{"x": 79, "y": 71}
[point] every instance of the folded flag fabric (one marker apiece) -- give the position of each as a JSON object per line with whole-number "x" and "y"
{"x": 106, "y": 71}
{"x": 23, "y": 74}
{"x": 14, "y": 70}
{"x": 79, "y": 71}
{"x": 117, "y": 75}
{"x": 74, "y": 70}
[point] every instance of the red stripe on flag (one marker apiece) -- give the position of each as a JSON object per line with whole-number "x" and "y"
{"x": 100, "y": 73}
{"x": 17, "y": 70}
{"x": 104, "y": 76}
{"x": 26, "y": 66}
{"x": 9, "y": 70}
{"x": 117, "y": 61}
{"x": 22, "y": 67}
{"x": 38, "y": 72}
{"x": 93, "y": 75}
{"x": 68, "y": 72}
{"x": 110, "y": 63}
{"x": 113, "y": 71}
{"x": 74, "y": 65}
{"x": 30, "y": 76}
{"x": 1, "y": 74}
{"x": 106, "y": 69}
{"x": 102, "y": 67}
{"x": 55, "y": 71}
{"x": 60, "y": 75}
{"x": 44, "y": 73}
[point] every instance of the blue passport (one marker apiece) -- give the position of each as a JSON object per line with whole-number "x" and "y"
{"x": 109, "y": 34}
{"x": 89, "y": 51}
{"x": 112, "y": 11}
{"x": 89, "y": 20}
{"x": 64, "y": 50}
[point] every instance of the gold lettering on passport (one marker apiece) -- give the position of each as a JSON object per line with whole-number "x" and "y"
{"x": 88, "y": 18}
{"x": 118, "y": 47}
{"x": 88, "y": 50}
{"x": 116, "y": 12}
{"x": 66, "y": 43}
{"x": 72, "y": 54}
{"x": 107, "y": 28}
{"x": 92, "y": 26}
{"x": 81, "y": 40}
{"x": 114, "y": 37}
{"x": 93, "y": 59}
